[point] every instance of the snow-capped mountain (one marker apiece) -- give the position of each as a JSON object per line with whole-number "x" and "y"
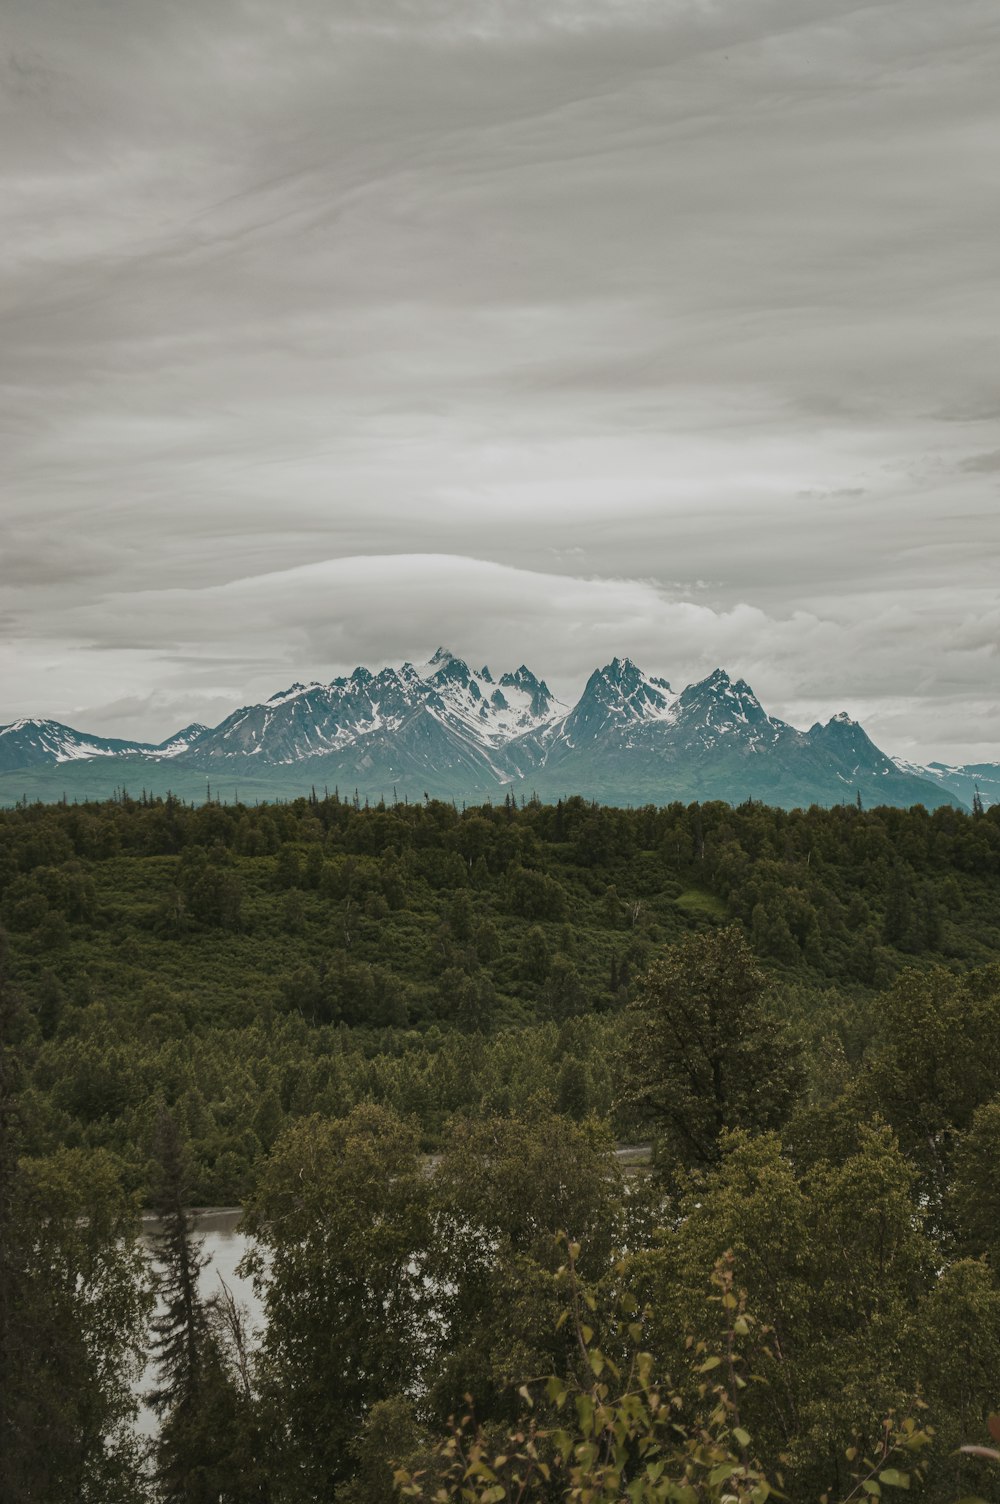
{"x": 314, "y": 720}
{"x": 494, "y": 711}
{"x": 719, "y": 708}
{"x": 38, "y": 743}
{"x": 181, "y": 741}
{"x": 454, "y": 731}
{"x": 443, "y": 718}
{"x": 631, "y": 738}
{"x": 858, "y": 764}
{"x": 964, "y": 780}
{"x": 616, "y": 699}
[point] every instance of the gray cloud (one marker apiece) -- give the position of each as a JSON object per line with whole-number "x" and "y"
{"x": 983, "y": 464}
{"x": 330, "y": 331}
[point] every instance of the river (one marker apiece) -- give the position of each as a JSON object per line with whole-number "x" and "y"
{"x": 224, "y": 1246}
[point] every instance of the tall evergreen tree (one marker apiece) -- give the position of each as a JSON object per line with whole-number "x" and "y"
{"x": 72, "y": 1314}
{"x": 200, "y": 1451}
{"x": 9, "y": 1294}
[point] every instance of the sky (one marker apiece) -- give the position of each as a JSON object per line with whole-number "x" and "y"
{"x": 335, "y": 330}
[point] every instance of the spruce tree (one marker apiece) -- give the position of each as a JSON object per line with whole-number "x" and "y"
{"x": 11, "y": 1297}
{"x": 72, "y": 1312}
{"x": 197, "y": 1455}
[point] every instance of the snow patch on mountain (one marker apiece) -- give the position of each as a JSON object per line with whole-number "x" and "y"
{"x": 494, "y": 712}
{"x": 181, "y": 741}
{"x": 31, "y": 741}
{"x": 470, "y": 730}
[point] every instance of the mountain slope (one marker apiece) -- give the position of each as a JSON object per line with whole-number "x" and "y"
{"x": 963, "y": 780}
{"x": 38, "y": 743}
{"x": 631, "y": 740}
{"x": 452, "y": 731}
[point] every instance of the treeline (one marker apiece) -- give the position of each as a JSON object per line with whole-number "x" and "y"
{"x": 520, "y": 1320}
{"x": 253, "y": 965}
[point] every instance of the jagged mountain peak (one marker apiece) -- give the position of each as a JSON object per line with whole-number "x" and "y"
{"x": 848, "y": 741}
{"x": 445, "y": 666}
{"x": 719, "y": 682}
{"x": 181, "y": 741}
{"x": 625, "y": 678}
{"x": 446, "y": 725}
{"x": 386, "y": 678}
{"x": 491, "y": 712}
{"x": 525, "y": 682}
{"x": 294, "y": 692}
{"x": 719, "y": 710}
{"x": 620, "y": 669}
{"x": 521, "y": 675}
{"x": 452, "y": 670}
{"x": 839, "y": 725}
{"x": 617, "y": 697}
{"x": 185, "y": 734}
{"x": 719, "y": 686}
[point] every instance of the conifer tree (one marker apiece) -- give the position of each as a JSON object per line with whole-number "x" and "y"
{"x": 198, "y": 1451}
{"x": 9, "y": 1293}
{"x": 72, "y": 1313}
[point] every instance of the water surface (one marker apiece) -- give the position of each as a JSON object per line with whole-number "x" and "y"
{"x": 216, "y": 1229}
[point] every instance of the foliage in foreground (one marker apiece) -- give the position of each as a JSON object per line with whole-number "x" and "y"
{"x": 616, "y": 1431}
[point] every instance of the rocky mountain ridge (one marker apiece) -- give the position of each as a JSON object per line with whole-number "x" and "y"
{"x": 447, "y": 729}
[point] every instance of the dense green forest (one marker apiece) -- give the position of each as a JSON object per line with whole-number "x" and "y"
{"x": 406, "y": 1039}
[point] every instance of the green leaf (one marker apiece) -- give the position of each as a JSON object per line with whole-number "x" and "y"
{"x": 894, "y": 1478}
{"x": 743, "y": 1437}
{"x": 708, "y": 1365}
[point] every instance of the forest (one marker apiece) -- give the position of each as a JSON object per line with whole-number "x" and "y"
{"x": 406, "y": 1039}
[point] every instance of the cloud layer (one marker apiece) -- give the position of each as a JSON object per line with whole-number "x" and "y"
{"x": 330, "y": 332}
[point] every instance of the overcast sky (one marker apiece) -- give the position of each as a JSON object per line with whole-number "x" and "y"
{"x": 332, "y": 330}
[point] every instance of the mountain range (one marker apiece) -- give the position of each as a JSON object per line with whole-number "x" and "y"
{"x": 450, "y": 731}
